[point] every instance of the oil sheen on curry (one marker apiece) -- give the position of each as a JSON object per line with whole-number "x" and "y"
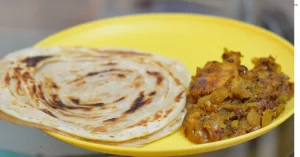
{"x": 226, "y": 99}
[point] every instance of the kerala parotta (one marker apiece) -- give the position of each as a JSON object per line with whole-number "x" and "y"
{"x": 99, "y": 94}
{"x": 136, "y": 142}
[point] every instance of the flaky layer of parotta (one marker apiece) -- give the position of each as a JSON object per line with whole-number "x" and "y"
{"x": 136, "y": 142}
{"x": 98, "y": 94}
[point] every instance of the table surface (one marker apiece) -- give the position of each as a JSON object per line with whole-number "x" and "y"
{"x": 24, "y": 23}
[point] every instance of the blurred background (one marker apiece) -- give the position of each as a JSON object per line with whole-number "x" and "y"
{"x": 25, "y": 22}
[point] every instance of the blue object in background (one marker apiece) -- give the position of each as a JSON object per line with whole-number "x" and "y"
{"x": 6, "y": 153}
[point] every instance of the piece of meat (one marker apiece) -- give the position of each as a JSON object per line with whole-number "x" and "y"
{"x": 215, "y": 74}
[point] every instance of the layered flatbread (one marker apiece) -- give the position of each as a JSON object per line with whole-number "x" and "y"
{"x": 111, "y": 95}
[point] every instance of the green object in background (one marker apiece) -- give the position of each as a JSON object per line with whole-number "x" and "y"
{"x": 7, "y": 153}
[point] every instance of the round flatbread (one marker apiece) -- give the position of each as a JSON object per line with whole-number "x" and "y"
{"x": 99, "y": 94}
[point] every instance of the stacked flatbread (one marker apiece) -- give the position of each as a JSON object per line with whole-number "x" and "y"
{"x": 111, "y": 96}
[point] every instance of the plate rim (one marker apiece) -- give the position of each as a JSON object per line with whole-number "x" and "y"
{"x": 194, "y": 149}
{"x": 143, "y": 16}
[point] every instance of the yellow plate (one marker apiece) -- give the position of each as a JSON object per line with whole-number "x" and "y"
{"x": 194, "y": 39}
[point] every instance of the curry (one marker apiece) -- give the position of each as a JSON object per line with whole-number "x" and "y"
{"x": 226, "y": 100}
